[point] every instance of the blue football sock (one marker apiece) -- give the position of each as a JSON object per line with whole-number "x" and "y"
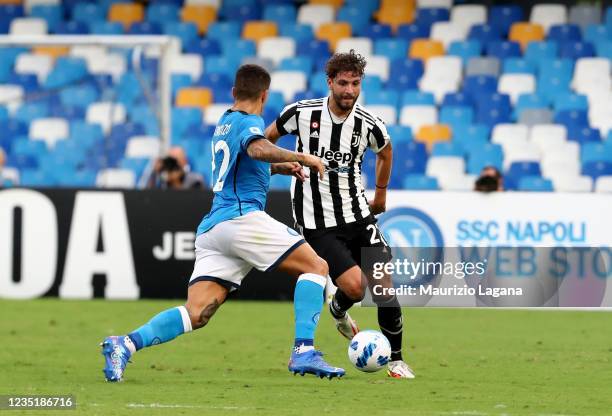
{"x": 307, "y": 301}
{"x": 163, "y": 327}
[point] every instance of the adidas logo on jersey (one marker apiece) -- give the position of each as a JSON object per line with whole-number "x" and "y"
{"x": 335, "y": 156}
{"x": 314, "y": 135}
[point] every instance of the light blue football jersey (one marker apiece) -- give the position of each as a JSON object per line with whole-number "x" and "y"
{"x": 240, "y": 183}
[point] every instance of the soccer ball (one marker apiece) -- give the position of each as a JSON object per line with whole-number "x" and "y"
{"x": 369, "y": 351}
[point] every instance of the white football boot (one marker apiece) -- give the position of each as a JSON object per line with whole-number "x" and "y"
{"x": 399, "y": 369}
{"x": 346, "y": 326}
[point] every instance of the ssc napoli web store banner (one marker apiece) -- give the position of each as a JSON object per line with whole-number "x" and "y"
{"x": 531, "y": 249}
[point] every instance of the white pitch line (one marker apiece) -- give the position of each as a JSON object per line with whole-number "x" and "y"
{"x": 184, "y": 406}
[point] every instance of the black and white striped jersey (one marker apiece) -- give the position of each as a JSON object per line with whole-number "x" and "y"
{"x": 339, "y": 198}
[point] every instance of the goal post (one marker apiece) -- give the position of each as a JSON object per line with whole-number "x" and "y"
{"x": 135, "y": 48}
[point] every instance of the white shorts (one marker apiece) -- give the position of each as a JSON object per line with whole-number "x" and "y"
{"x": 229, "y": 250}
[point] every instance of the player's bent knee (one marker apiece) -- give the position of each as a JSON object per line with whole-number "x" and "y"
{"x": 321, "y": 267}
{"x": 354, "y": 290}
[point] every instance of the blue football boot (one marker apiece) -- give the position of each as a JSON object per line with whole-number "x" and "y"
{"x": 116, "y": 355}
{"x": 311, "y": 362}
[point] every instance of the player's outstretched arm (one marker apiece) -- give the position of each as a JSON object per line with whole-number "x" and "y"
{"x": 262, "y": 149}
{"x": 384, "y": 160}
{"x": 272, "y": 133}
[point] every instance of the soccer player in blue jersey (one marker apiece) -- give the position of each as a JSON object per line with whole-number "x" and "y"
{"x": 237, "y": 235}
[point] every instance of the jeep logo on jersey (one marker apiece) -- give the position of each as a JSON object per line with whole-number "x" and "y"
{"x": 335, "y": 156}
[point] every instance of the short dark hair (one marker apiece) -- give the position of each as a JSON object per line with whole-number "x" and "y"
{"x": 251, "y": 80}
{"x": 345, "y": 62}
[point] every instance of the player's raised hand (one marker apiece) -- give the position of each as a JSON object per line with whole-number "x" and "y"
{"x": 313, "y": 162}
{"x": 290, "y": 169}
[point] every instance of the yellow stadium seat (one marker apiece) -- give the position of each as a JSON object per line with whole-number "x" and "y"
{"x": 52, "y": 51}
{"x": 256, "y": 30}
{"x": 333, "y": 32}
{"x": 10, "y": 2}
{"x": 395, "y": 14}
{"x": 384, "y": 4}
{"x": 334, "y": 3}
{"x": 523, "y": 33}
{"x": 433, "y": 133}
{"x": 201, "y": 16}
{"x": 126, "y": 13}
{"x": 194, "y": 97}
{"x": 425, "y": 49}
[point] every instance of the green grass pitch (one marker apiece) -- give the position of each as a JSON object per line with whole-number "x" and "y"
{"x": 468, "y": 362}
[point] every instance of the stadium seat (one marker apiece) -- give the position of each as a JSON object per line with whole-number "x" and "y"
{"x": 438, "y": 87}
{"x": 355, "y": 16}
{"x": 516, "y": 84}
{"x": 161, "y": 13}
{"x": 518, "y": 66}
{"x": 482, "y": 66}
{"x": 536, "y": 52}
{"x": 332, "y": 32}
{"x": 603, "y": 184}
{"x": 184, "y": 118}
{"x": 301, "y": 33}
{"x": 432, "y": 133}
{"x": 503, "y": 17}
{"x": 214, "y": 112}
{"x": 116, "y": 178}
{"x": 361, "y": 45}
{"x": 405, "y": 74}
{"x": 191, "y": 64}
{"x": 376, "y": 31}
{"x": 456, "y": 115}
{"x": 503, "y": 49}
{"x": 221, "y": 31}
{"x": 424, "y": 49}
{"x": 28, "y": 26}
{"x": 583, "y": 134}
{"x": 106, "y": 114}
{"x": 280, "y": 13}
{"x": 105, "y": 28}
{"x": 410, "y": 32}
{"x": 420, "y": 183}
{"x": 395, "y": 14}
{"x": 570, "y": 101}
{"x": 572, "y": 183}
{"x": 391, "y": 48}
{"x": 547, "y": 136}
{"x": 468, "y": 15}
{"x": 597, "y": 169}
{"x": 507, "y": 133}
{"x": 257, "y": 30}
{"x": 51, "y": 13}
{"x": 584, "y": 15}
{"x": 479, "y": 84}
{"x": 535, "y": 184}
{"x": 591, "y": 74}
{"x": 386, "y": 112}
{"x": 466, "y": 50}
{"x": 382, "y": 97}
{"x": 378, "y": 66}
{"x": 417, "y": 98}
{"x": 457, "y": 99}
{"x": 200, "y": 15}
{"x": 548, "y": 15}
{"x": 288, "y": 83}
{"x": 200, "y": 97}
{"x": 143, "y": 147}
{"x": 572, "y": 118}
{"x": 447, "y": 149}
{"x": 418, "y": 115}
{"x": 596, "y": 34}
{"x": 126, "y": 14}
{"x": 564, "y": 33}
{"x": 441, "y": 167}
{"x": 186, "y": 32}
{"x": 315, "y": 15}
{"x": 485, "y": 33}
{"x": 576, "y": 50}
{"x": 596, "y": 152}
{"x": 444, "y": 67}
{"x": 447, "y": 33}
{"x": 524, "y": 33}
{"x": 49, "y": 129}
{"x": 276, "y": 49}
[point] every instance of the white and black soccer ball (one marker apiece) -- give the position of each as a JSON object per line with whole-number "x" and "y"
{"x": 369, "y": 351}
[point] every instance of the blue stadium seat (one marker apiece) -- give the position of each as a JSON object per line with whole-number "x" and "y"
{"x": 572, "y": 118}
{"x": 275, "y": 102}
{"x": 296, "y": 63}
{"x": 178, "y": 81}
{"x": 299, "y": 32}
{"x": 597, "y": 33}
{"x": 31, "y": 110}
{"x": 479, "y": 84}
{"x": 183, "y": 119}
{"x": 368, "y": 6}
{"x": 485, "y": 33}
{"x": 410, "y": 164}
{"x": 101, "y": 27}
{"x": 51, "y": 13}
{"x": 212, "y": 80}
{"x": 145, "y": 28}
{"x": 583, "y": 134}
{"x": 399, "y": 134}
{"x": 502, "y": 17}
{"x": 242, "y": 13}
{"x": 35, "y": 178}
{"x": 493, "y": 116}
{"x": 204, "y": 46}
{"x": 474, "y": 134}
{"x": 355, "y": 16}
{"x": 78, "y": 95}
{"x": 82, "y": 178}
{"x": 88, "y": 13}
{"x": 576, "y": 50}
{"x": 29, "y": 82}
{"x": 519, "y": 170}
{"x": 237, "y": 50}
{"x": 371, "y": 84}
{"x": 564, "y": 33}
{"x": 413, "y": 31}
{"x": 306, "y": 95}
{"x": 456, "y": 115}
{"x": 280, "y": 13}
{"x": 280, "y": 182}
{"x": 220, "y": 31}
{"x": 427, "y": 16}
{"x": 22, "y": 161}
{"x": 377, "y": 31}
{"x": 383, "y": 97}
{"x": 451, "y": 148}
{"x": 571, "y": 101}
{"x": 465, "y": 49}
{"x": 122, "y": 132}
{"x": 222, "y": 65}
{"x": 550, "y": 87}
{"x": 529, "y": 101}
{"x": 4, "y": 114}
{"x": 7, "y": 13}
{"x": 503, "y": 49}
{"x": 420, "y": 183}
{"x": 518, "y": 66}
{"x": 162, "y": 13}
{"x": 479, "y": 160}
{"x": 84, "y": 133}
{"x": 405, "y": 74}
{"x": 414, "y": 150}
{"x": 391, "y": 48}
{"x": 9, "y": 54}
{"x": 596, "y": 152}
{"x": 604, "y": 49}
{"x": 535, "y": 184}
{"x": 187, "y": 32}
{"x": 25, "y": 146}
{"x": 313, "y": 48}
{"x": 71, "y": 146}
{"x": 72, "y": 28}
{"x": 144, "y": 115}
{"x": 70, "y": 113}
{"x": 538, "y": 51}
{"x": 416, "y": 97}
{"x": 457, "y": 99}
{"x": 10, "y": 129}
{"x": 318, "y": 83}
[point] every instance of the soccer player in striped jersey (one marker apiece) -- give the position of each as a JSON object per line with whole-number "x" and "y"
{"x": 333, "y": 213}
{"x": 237, "y": 235}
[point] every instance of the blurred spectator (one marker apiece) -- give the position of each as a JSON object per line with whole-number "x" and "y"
{"x": 173, "y": 172}
{"x": 490, "y": 180}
